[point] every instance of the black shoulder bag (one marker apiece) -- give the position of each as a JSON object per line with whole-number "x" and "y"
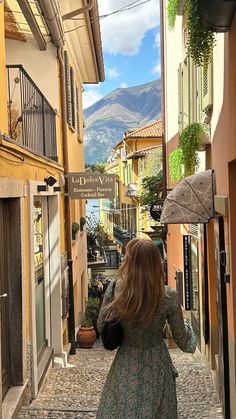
{"x": 112, "y": 332}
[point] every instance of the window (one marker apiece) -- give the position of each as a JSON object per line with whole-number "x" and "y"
{"x": 72, "y": 97}
{"x": 112, "y": 259}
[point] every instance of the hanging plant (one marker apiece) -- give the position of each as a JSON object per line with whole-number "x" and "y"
{"x": 75, "y": 229}
{"x": 82, "y": 222}
{"x": 172, "y": 9}
{"x": 189, "y": 142}
{"x": 175, "y": 165}
{"x": 184, "y": 160}
{"x": 201, "y": 41}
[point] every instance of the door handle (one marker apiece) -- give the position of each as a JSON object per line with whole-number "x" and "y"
{"x": 3, "y": 295}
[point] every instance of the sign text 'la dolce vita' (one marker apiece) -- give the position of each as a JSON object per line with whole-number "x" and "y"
{"x": 91, "y": 185}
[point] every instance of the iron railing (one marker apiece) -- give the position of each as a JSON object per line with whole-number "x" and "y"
{"x": 121, "y": 235}
{"x": 32, "y": 120}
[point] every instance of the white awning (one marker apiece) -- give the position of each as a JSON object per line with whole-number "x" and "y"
{"x": 191, "y": 201}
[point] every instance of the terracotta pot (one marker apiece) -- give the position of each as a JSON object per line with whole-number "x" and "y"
{"x": 86, "y": 336}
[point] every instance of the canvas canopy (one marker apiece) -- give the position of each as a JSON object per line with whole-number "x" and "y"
{"x": 191, "y": 201}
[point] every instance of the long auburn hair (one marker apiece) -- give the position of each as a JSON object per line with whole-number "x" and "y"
{"x": 141, "y": 286}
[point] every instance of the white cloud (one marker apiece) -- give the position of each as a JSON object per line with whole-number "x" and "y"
{"x": 123, "y": 85}
{"x": 91, "y": 96}
{"x": 156, "y": 69}
{"x": 112, "y": 73}
{"x": 122, "y": 33}
{"x": 157, "y": 40}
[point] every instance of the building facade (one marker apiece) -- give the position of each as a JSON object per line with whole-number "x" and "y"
{"x": 43, "y": 271}
{"x": 201, "y": 256}
{"x": 137, "y": 157}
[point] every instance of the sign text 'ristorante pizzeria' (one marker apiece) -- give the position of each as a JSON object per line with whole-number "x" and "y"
{"x": 91, "y": 185}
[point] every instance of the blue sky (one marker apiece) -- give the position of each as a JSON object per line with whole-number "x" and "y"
{"x": 131, "y": 46}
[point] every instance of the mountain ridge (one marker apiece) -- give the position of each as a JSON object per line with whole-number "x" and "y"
{"x": 121, "y": 110}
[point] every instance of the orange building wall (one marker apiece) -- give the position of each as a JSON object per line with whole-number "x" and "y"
{"x": 175, "y": 252}
{"x": 225, "y": 132}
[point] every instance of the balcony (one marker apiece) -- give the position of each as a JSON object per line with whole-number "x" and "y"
{"x": 121, "y": 235}
{"x": 31, "y": 119}
{"x": 132, "y": 190}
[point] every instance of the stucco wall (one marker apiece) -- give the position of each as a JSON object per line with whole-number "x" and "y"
{"x": 40, "y": 65}
{"x": 173, "y": 56}
{"x": 3, "y": 84}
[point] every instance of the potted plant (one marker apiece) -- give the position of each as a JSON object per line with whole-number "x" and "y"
{"x": 75, "y": 229}
{"x": 93, "y": 307}
{"x": 201, "y": 40}
{"x": 86, "y": 335}
{"x": 82, "y": 223}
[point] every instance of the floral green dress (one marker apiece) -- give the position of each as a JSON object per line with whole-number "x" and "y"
{"x": 141, "y": 380}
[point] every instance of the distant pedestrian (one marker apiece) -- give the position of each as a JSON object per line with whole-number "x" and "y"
{"x": 141, "y": 381}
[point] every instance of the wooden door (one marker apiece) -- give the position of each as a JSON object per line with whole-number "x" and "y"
{"x": 4, "y": 300}
{"x": 223, "y": 354}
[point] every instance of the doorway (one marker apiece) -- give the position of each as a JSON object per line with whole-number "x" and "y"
{"x": 39, "y": 267}
{"x": 223, "y": 353}
{"x": 4, "y": 300}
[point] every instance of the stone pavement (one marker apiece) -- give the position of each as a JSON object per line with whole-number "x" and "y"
{"x": 74, "y": 392}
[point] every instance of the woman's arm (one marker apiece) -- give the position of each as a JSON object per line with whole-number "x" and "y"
{"x": 181, "y": 328}
{"x": 104, "y": 312}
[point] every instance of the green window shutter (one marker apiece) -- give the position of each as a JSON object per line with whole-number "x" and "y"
{"x": 207, "y": 88}
{"x": 72, "y": 90}
{"x": 77, "y": 111}
{"x": 180, "y": 96}
{"x": 186, "y": 96}
{"x": 199, "y": 89}
{"x": 192, "y": 88}
{"x": 67, "y": 83}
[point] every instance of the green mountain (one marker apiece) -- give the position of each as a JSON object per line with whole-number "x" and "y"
{"x": 123, "y": 109}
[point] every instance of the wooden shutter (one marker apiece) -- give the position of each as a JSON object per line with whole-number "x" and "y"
{"x": 180, "y": 96}
{"x": 68, "y": 87}
{"x": 186, "y": 95}
{"x": 194, "y": 94}
{"x": 207, "y": 88}
{"x": 72, "y": 90}
{"x": 77, "y": 111}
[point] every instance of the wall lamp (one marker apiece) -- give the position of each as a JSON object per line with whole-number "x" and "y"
{"x": 50, "y": 180}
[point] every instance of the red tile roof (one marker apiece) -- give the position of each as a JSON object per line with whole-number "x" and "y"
{"x": 152, "y": 130}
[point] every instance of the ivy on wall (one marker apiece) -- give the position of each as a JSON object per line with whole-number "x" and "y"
{"x": 150, "y": 171}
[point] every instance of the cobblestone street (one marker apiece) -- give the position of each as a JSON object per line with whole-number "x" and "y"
{"x": 74, "y": 392}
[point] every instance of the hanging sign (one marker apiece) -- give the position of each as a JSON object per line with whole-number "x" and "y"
{"x": 91, "y": 185}
{"x": 187, "y": 272}
{"x": 156, "y": 210}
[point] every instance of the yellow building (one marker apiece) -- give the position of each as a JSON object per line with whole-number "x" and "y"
{"x": 137, "y": 156}
{"x": 43, "y": 63}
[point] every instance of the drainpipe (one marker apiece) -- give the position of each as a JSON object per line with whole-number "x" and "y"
{"x": 163, "y": 119}
{"x": 163, "y": 103}
{"x": 67, "y": 203}
{"x": 54, "y": 23}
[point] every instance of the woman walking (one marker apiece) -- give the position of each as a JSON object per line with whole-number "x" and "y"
{"x": 141, "y": 381}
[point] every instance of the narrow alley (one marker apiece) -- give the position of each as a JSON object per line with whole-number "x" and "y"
{"x": 74, "y": 392}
